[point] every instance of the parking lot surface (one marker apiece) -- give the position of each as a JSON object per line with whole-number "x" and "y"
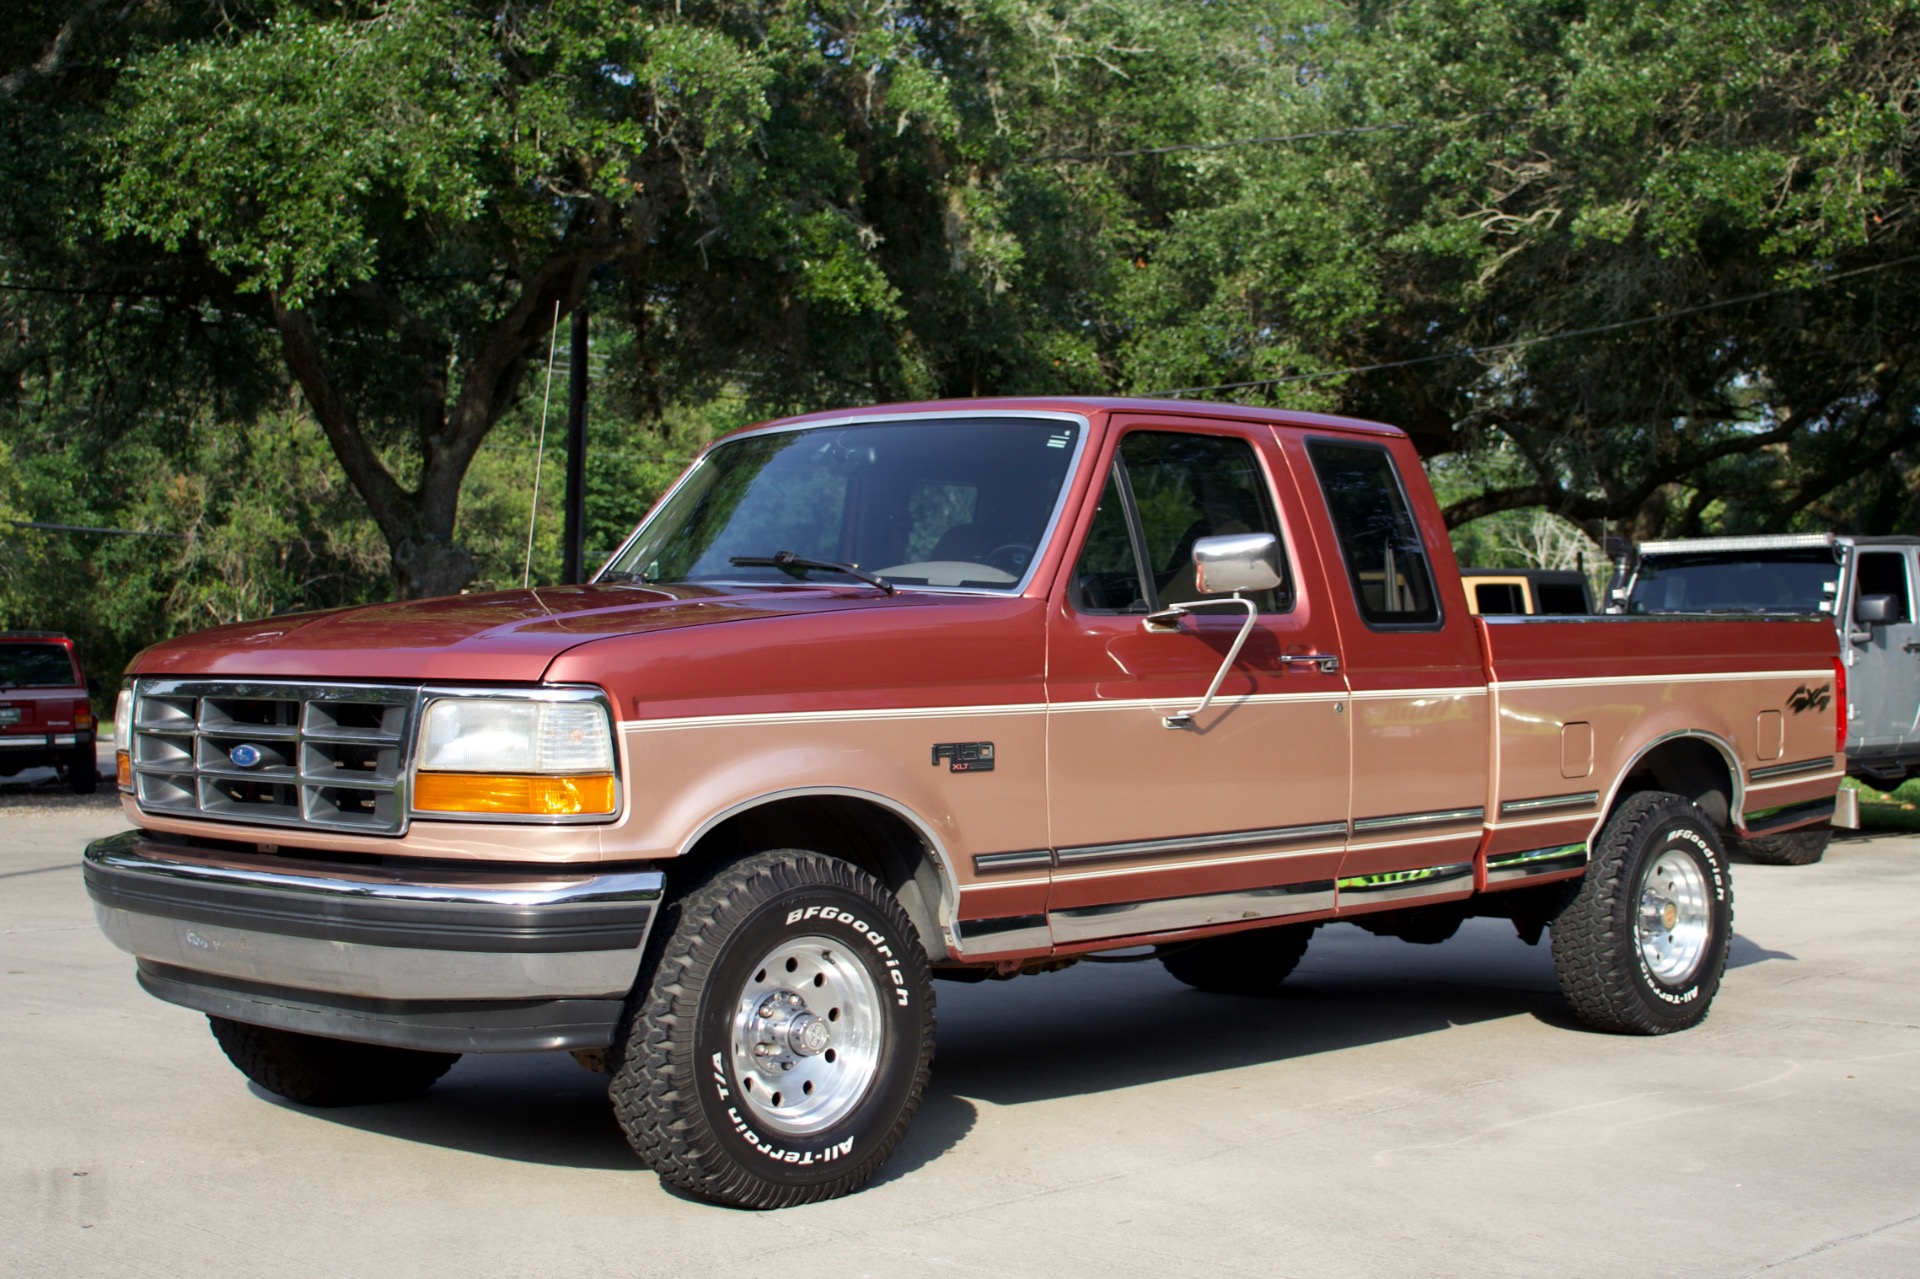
{"x": 1397, "y": 1110}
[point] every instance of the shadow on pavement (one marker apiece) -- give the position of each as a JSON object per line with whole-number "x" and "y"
{"x": 1745, "y": 951}
{"x": 542, "y": 1108}
{"x": 1092, "y": 1028}
{"x": 528, "y": 1107}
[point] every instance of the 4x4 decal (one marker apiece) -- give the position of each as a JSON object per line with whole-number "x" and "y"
{"x": 1810, "y": 699}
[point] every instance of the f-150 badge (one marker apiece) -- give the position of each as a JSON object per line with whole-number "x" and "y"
{"x": 965, "y": 757}
{"x": 1810, "y": 699}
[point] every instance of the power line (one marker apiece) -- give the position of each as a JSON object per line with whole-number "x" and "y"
{"x": 1087, "y": 157}
{"x": 89, "y": 528}
{"x": 1522, "y": 343}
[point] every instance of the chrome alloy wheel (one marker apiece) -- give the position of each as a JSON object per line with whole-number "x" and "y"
{"x": 1674, "y": 918}
{"x": 807, "y": 1034}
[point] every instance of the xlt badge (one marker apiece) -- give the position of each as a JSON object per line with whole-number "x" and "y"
{"x": 965, "y": 757}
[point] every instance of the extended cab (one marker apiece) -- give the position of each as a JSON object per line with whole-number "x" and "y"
{"x": 967, "y": 689}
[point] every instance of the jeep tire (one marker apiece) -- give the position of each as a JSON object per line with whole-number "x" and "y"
{"x": 1793, "y": 848}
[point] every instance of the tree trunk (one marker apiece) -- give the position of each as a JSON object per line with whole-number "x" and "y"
{"x": 418, "y": 524}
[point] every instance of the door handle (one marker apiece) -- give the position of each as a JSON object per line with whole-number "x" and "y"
{"x": 1912, "y": 646}
{"x": 1329, "y": 663}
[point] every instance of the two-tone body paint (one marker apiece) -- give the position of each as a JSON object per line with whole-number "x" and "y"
{"x": 1574, "y": 720}
{"x": 1431, "y": 762}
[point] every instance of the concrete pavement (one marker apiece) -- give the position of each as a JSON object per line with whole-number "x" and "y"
{"x": 1399, "y": 1110}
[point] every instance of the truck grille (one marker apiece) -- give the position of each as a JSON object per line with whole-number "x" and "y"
{"x": 332, "y": 756}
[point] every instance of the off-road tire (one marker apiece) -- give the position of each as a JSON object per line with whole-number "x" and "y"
{"x": 1249, "y": 963}
{"x": 680, "y": 1089}
{"x": 83, "y": 772}
{"x": 1624, "y": 963}
{"x": 1793, "y": 848}
{"x": 316, "y": 1071}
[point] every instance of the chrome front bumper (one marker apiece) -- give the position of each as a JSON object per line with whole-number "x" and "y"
{"x": 458, "y": 960}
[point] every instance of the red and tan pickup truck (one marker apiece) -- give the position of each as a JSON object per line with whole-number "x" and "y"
{"x": 964, "y": 689}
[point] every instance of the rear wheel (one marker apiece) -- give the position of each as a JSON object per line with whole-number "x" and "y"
{"x": 316, "y": 1071}
{"x": 83, "y": 772}
{"x": 1794, "y": 848}
{"x": 1641, "y": 948}
{"x": 1249, "y": 963}
{"x": 782, "y": 1043}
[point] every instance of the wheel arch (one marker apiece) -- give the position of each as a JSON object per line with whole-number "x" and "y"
{"x": 884, "y": 838}
{"x": 1700, "y": 766}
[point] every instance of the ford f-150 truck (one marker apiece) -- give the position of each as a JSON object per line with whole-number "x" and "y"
{"x": 964, "y": 689}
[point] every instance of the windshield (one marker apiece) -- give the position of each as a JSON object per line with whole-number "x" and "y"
{"x": 955, "y": 503}
{"x": 35, "y": 666}
{"x": 1736, "y": 582}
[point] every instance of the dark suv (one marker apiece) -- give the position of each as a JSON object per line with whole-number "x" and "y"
{"x": 46, "y": 716}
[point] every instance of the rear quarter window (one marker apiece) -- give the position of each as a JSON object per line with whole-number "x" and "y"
{"x": 1386, "y": 561}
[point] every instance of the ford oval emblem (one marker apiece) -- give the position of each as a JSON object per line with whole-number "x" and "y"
{"x": 244, "y": 755}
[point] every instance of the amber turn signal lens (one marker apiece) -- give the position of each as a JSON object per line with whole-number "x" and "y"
{"x": 513, "y": 794}
{"x": 123, "y": 769}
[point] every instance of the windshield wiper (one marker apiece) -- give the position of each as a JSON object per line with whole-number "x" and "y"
{"x": 796, "y": 564}
{"x": 620, "y": 577}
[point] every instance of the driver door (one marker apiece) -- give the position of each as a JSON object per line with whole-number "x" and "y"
{"x": 1242, "y": 816}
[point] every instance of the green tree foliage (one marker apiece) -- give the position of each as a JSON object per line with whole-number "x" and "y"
{"x": 405, "y": 197}
{"x": 1648, "y": 265}
{"x": 215, "y": 522}
{"x": 1663, "y": 253}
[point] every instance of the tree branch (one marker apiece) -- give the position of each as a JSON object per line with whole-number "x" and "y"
{"x": 54, "y": 60}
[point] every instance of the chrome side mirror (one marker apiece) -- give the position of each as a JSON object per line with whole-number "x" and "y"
{"x": 1236, "y": 562}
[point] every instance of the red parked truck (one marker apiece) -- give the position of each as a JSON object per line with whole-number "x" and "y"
{"x": 46, "y": 711}
{"x": 963, "y": 689}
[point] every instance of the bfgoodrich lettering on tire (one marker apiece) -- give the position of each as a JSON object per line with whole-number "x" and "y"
{"x": 1641, "y": 947}
{"x": 782, "y": 1044}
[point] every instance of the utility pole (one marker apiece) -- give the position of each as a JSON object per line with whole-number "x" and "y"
{"x": 574, "y": 529}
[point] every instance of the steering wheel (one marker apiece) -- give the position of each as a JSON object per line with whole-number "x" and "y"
{"x": 1009, "y": 557}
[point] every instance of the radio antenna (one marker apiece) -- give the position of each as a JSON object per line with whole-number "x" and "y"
{"x": 540, "y": 446}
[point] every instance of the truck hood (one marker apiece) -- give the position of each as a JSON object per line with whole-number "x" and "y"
{"x": 507, "y": 636}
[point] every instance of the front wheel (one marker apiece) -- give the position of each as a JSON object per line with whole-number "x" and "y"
{"x": 1794, "y": 848}
{"x": 316, "y": 1071}
{"x": 784, "y": 1039}
{"x": 1641, "y": 947}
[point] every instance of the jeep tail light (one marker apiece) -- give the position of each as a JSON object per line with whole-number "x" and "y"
{"x": 83, "y": 714}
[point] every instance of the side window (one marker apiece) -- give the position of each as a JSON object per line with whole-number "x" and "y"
{"x": 1497, "y": 598}
{"x": 1386, "y": 561}
{"x": 1885, "y": 573}
{"x": 1107, "y": 579}
{"x": 1168, "y": 490}
{"x": 1561, "y": 599}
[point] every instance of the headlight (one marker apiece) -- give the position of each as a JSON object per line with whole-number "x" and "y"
{"x": 123, "y": 738}
{"x": 514, "y": 756}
